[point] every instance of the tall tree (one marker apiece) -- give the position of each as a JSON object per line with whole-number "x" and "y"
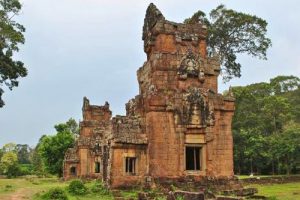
{"x": 231, "y": 33}
{"x": 23, "y": 152}
{"x": 52, "y": 148}
{"x": 9, "y": 164}
{"x": 11, "y": 36}
{"x": 266, "y": 126}
{"x": 9, "y": 147}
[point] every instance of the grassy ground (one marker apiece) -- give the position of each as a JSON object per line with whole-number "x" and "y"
{"x": 33, "y": 188}
{"x": 261, "y": 176}
{"x": 287, "y": 191}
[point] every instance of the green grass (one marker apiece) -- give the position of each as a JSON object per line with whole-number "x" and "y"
{"x": 287, "y": 191}
{"x": 262, "y": 176}
{"x": 130, "y": 194}
{"x": 34, "y": 188}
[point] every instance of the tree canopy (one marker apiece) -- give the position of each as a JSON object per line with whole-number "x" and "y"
{"x": 11, "y": 36}
{"x": 51, "y": 149}
{"x": 266, "y": 126}
{"x": 230, "y": 33}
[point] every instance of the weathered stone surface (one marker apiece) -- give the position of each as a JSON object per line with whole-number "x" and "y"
{"x": 189, "y": 195}
{"x": 229, "y": 198}
{"x": 142, "y": 196}
{"x": 177, "y": 128}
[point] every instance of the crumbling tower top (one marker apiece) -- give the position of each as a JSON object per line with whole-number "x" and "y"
{"x": 188, "y": 35}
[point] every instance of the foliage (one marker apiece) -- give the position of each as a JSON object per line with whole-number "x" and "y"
{"x": 26, "y": 169}
{"x": 99, "y": 188}
{"x": 11, "y": 35}
{"x": 55, "y": 194}
{"x": 230, "y": 33}
{"x": 70, "y": 126}
{"x": 51, "y": 149}
{"x": 23, "y": 152}
{"x": 9, "y": 147}
{"x": 9, "y": 164}
{"x": 77, "y": 187}
{"x": 266, "y": 127}
{"x": 179, "y": 197}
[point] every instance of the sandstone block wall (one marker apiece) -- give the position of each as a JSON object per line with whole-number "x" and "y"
{"x": 178, "y": 125}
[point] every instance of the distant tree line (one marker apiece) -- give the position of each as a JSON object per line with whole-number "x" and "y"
{"x": 266, "y": 127}
{"x": 44, "y": 159}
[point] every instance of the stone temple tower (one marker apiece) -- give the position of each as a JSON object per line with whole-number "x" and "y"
{"x": 177, "y": 126}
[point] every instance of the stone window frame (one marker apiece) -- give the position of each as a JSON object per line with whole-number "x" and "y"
{"x": 96, "y": 159}
{"x": 73, "y": 170}
{"x": 202, "y": 164}
{"x": 135, "y": 167}
{"x": 95, "y": 167}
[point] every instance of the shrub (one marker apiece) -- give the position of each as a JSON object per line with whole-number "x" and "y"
{"x": 99, "y": 188}
{"x": 8, "y": 188}
{"x": 13, "y": 171}
{"x": 55, "y": 194}
{"x": 26, "y": 169}
{"x": 160, "y": 198}
{"x": 77, "y": 187}
{"x": 179, "y": 197}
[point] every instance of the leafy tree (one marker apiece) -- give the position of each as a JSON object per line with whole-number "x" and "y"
{"x": 36, "y": 159}
{"x": 265, "y": 126}
{"x": 230, "y": 33}
{"x": 277, "y": 111}
{"x": 9, "y": 147}
{"x": 52, "y": 148}
{"x": 282, "y": 84}
{"x": 70, "y": 126}
{"x": 9, "y": 164}
{"x": 1, "y": 153}
{"x": 23, "y": 152}
{"x": 11, "y": 35}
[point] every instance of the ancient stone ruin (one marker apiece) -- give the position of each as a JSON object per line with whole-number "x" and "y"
{"x": 177, "y": 126}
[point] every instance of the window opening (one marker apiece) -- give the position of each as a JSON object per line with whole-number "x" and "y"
{"x": 73, "y": 171}
{"x": 97, "y": 167}
{"x": 192, "y": 158}
{"x": 130, "y": 165}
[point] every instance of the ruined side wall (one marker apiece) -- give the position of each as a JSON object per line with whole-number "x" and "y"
{"x": 119, "y": 178}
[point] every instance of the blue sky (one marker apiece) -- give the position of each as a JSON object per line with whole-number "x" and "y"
{"x": 92, "y": 48}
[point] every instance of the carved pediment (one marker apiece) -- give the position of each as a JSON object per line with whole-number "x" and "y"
{"x": 196, "y": 110}
{"x": 190, "y": 66}
{"x": 71, "y": 155}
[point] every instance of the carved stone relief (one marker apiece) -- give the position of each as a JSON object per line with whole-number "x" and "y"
{"x": 190, "y": 66}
